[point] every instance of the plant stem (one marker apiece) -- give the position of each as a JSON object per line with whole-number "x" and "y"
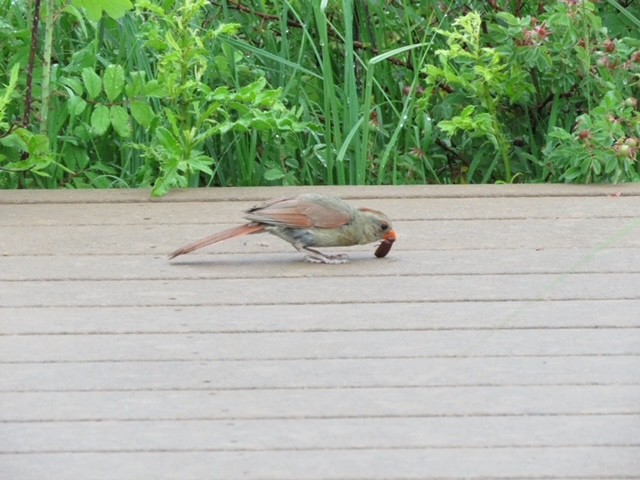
{"x": 28, "y": 99}
{"x": 332, "y": 131}
{"x": 46, "y": 67}
{"x": 503, "y": 145}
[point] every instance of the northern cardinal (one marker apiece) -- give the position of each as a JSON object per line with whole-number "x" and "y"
{"x": 310, "y": 220}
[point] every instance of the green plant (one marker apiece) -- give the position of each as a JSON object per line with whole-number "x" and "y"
{"x": 46, "y": 145}
{"x": 603, "y": 146}
{"x": 20, "y": 149}
{"x": 583, "y": 125}
{"x": 189, "y": 93}
{"x": 189, "y": 99}
{"x": 192, "y": 111}
{"x": 482, "y": 82}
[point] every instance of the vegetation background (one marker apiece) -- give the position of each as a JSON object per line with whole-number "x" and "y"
{"x": 176, "y": 93}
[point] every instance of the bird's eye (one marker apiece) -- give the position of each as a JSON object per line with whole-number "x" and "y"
{"x": 384, "y": 227}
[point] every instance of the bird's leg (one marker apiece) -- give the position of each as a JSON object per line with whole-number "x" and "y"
{"x": 316, "y": 256}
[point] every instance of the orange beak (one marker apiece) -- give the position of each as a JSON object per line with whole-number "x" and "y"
{"x": 390, "y": 237}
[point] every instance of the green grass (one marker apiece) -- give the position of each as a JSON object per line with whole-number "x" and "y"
{"x": 354, "y": 77}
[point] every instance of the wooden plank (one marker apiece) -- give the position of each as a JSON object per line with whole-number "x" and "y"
{"x": 361, "y": 192}
{"x": 319, "y": 373}
{"x": 446, "y": 235}
{"x": 322, "y": 290}
{"x": 320, "y": 345}
{"x": 321, "y": 434}
{"x": 321, "y": 403}
{"x": 211, "y": 264}
{"x": 395, "y": 317}
{"x": 331, "y": 403}
{"x": 569, "y": 463}
{"x": 398, "y": 209}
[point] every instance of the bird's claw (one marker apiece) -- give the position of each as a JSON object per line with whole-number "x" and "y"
{"x": 329, "y": 259}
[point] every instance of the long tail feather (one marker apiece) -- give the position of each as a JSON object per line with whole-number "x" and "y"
{"x": 239, "y": 231}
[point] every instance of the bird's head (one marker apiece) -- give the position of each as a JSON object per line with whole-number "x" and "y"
{"x": 378, "y": 227}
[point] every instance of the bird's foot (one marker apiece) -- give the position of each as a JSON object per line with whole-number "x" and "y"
{"x": 329, "y": 259}
{"x": 316, "y": 256}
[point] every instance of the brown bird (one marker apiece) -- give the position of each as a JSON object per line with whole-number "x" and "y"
{"x": 308, "y": 221}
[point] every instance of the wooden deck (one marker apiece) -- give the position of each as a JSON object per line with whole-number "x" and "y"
{"x": 499, "y": 339}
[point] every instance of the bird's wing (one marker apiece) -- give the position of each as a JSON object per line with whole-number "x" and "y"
{"x": 304, "y": 211}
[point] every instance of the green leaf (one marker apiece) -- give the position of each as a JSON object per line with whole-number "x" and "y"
{"x": 38, "y": 145}
{"x": 113, "y": 81}
{"x": 136, "y": 84}
{"x": 142, "y": 113}
{"x": 221, "y": 93}
{"x": 82, "y": 133}
{"x": 154, "y": 89}
{"x": 248, "y": 92}
{"x": 200, "y": 163}
{"x": 92, "y": 82}
{"x": 273, "y": 174}
{"x": 168, "y": 141}
{"x": 227, "y": 29}
{"x": 120, "y": 121}
{"x": 100, "y": 120}
{"x": 31, "y": 165}
{"x": 76, "y": 105}
{"x": 74, "y": 83}
{"x": 5, "y": 95}
{"x": 611, "y": 164}
{"x": 508, "y": 18}
{"x": 261, "y": 124}
{"x": 17, "y": 139}
{"x": 571, "y": 174}
{"x": 93, "y": 8}
{"x": 163, "y": 184}
{"x": 116, "y": 8}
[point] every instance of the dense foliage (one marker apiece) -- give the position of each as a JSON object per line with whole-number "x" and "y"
{"x": 173, "y": 93}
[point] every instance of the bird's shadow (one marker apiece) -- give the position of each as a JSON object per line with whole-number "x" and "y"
{"x": 262, "y": 260}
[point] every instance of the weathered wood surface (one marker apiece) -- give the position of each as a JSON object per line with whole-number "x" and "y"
{"x": 499, "y": 339}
